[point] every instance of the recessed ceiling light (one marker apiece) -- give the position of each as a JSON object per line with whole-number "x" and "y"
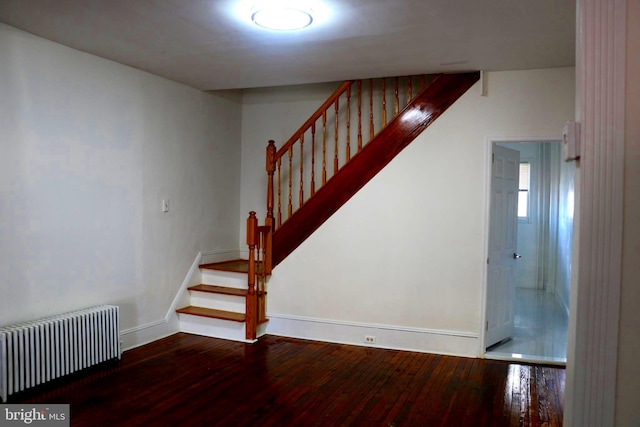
{"x": 282, "y": 16}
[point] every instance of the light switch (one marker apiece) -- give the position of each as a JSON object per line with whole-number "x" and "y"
{"x": 165, "y": 205}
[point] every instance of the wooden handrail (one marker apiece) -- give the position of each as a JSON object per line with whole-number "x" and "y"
{"x": 315, "y": 116}
{"x": 420, "y": 112}
{"x": 339, "y": 150}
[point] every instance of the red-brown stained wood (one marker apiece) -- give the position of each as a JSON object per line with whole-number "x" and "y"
{"x": 214, "y": 314}
{"x": 301, "y": 195}
{"x": 290, "y": 173}
{"x": 236, "y": 266}
{"x": 337, "y": 128}
{"x": 442, "y": 91}
{"x": 189, "y": 380}
{"x": 279, "y": 192}
{"x": 371, "y": 128}
{"x": 348, "y": 144}
{"x": 313, "y": 158}
{"x": 396, "y": 101}
{"x": 253, "y": 241}
{"x": 359, "y": 115}
{"x": 384, "y": 102}
{"x": 324, "y": 147}
{"x": 223, "y": 290}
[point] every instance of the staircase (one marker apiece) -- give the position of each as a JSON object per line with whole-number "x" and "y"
{"x": 218, "y": 305}
{"x": 354, "y": 134}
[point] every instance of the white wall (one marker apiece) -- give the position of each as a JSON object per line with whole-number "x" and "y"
{"x": 406, "y": 254}
{"x": 89, "y": 148}
{"x": 628, "y": 398}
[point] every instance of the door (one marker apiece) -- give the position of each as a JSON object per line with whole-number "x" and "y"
{"x": 502, "y": 244}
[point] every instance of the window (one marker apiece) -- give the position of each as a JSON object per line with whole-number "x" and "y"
{"x": 523, "y": 190}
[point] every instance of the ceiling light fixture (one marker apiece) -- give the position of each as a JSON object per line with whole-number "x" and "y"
{"x": 282, "y": 16}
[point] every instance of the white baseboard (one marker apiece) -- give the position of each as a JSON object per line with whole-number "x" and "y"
{"x": 451, "y": 343}
{"x": 144, "y": 334}
{"x": 221, "y": 256}
{"x": 215, "y": 328}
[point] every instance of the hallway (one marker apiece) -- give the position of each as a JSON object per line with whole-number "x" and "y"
{"x": 540, "y": 330}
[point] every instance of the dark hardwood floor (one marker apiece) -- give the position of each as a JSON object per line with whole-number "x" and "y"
{"x": 188, "y": 380}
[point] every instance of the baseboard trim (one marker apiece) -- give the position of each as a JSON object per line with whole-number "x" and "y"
{"x": 145, "y": 334}
{"x": 452, "y": 343}
{"x": 149, "y": 332}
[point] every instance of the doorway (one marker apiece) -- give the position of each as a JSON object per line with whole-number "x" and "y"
{"x": 537, "y": 296}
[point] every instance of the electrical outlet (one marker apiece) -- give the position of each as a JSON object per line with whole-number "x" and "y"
{"x": 165, "y": 205}
{"x": 369, "y": 339}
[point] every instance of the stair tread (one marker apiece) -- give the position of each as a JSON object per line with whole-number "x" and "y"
{"x": 236, "y": 265}
{"x": 214, "y": 289}
{"x": 215, "y": 314}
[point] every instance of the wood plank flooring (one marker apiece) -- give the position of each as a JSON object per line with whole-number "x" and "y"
{"x": 188, "y": 380}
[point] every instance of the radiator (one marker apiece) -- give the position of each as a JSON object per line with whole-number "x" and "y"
{"x": 35, "y": 352}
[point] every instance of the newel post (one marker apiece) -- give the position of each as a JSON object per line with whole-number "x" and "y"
{"x": 269, "y": 222}
{"x": 252, "y": 231}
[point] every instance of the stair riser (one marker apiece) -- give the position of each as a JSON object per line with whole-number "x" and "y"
{"x": 224, "y": 278}
{"x": 216, "y": 328}
{"x": 218, "y": 301}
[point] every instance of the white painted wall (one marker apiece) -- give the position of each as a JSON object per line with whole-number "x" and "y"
{"x": 88, "y": 150}
{"x": 628, "y": 398}
{"x": 408, "y": 250}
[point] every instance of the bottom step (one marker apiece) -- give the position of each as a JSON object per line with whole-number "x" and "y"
{"x": 212, "y": 313}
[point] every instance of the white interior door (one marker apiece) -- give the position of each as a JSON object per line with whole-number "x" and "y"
{"x": 503, "y": 235}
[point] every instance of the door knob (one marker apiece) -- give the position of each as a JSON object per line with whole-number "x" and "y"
{"x": 516, "y": 256}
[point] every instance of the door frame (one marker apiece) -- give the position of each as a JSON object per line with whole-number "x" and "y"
{"x": 489, "y": 141}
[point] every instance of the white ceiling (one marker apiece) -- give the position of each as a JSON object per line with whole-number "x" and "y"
{"x": 212, "y": 44}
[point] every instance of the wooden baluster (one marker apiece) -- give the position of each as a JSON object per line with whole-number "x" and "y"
{"x": 271, "y": 168}
{"x": 384, "y": 102}
{"x": 348, "y": 149}
{"x": 396, "y": 102}
{"x": 279, "y": 193}
{"x": 371, "y": 130}
{"x": 335, "y": 149}
{"x": 301, "y": 196}
{"x": 324, "y": 147}
{"x": 252, "y": 226}
{"x": 269, "y": 222}
{"x": 421, "y": 81}
{"x": 359, "y": 115}
{"x": 290, "y": 205}
{"x": 262, "y": 309}
{"x": 409, "y": 89}
{"x": 313, "y": 158}
{"x": 258, "y": 269}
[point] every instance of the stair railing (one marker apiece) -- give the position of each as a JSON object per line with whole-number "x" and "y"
{"x": 324, "y": 143}
{"x": 257, "y": 275}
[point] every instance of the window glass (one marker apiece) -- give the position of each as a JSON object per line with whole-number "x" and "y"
{"x": 523, "y": 193}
